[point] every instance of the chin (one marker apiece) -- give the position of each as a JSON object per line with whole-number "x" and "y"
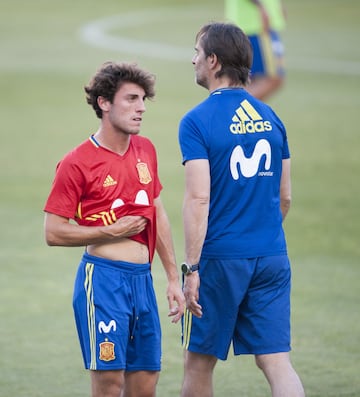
{"x": 202, "y": 83}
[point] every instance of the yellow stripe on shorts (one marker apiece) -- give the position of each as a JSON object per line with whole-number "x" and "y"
{"x": 268, "y": 55}
{"x": 88, "y": 284}
{"x": 187, "y": 328}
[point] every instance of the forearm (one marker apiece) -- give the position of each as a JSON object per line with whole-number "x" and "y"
{"x": 165, "y": 246}
{"x": 166, "y": 252}
{"x": 60, "y": 232}
{"x": 285, "y": 207}
{"x": 263, "y": 14}
{"x": 195, "y": 218}
{"x": 71, "y": 235}
{"x": 285, "y": 188}
{"x": 196, "y": 208}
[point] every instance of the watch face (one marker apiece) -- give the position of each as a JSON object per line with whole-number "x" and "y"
{"x": 184, "y": 268}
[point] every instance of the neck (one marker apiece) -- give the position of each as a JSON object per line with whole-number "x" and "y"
{"x": 218, "y": 84}
{"x": 116, "y": 142}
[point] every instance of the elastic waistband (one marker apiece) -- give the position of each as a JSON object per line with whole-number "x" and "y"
{"x": 129, "y": 267}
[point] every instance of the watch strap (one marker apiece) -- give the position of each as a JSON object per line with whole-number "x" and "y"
{"x": 186, "y": 268}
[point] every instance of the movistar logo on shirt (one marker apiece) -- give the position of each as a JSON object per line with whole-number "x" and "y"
{"x": 247, "y": 120}
{"x": 249, "y": 166}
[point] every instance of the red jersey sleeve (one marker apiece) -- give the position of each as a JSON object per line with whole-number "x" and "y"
{"x": 66, "y": 189}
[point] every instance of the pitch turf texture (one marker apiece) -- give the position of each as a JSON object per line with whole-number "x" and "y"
{"x": 43, "y": 66}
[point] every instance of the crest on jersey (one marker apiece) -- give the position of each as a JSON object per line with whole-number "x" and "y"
{"x": 107, "y": 351}
{"x": 144, "y": 173}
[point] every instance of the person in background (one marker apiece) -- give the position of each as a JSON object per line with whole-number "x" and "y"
{"x": 109, "y": 185}
{"x": 262, "y": 21}
{"x": 237, "y": 194}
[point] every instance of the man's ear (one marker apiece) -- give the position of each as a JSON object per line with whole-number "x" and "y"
{"x": 213, "y": 60}
{"x": 104, "y": 104}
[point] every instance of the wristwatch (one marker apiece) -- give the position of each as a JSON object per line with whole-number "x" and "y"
{"x": 188, "y": 269}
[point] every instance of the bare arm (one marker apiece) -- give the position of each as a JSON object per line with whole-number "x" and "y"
{"x": 196, "y": 207}
{"x": 60, "y": 232}
{"x": 263, "y": 15}
{"x": 195, "y": 219}
{"x": 166, "y": 252}
{"x": 285, "y": 188}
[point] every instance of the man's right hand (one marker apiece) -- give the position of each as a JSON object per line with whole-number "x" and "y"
{"x": 128, "y": 225}
{"x": 191, "y": 293}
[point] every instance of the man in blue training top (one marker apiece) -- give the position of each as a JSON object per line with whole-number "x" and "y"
{"x": 237, "y": 194}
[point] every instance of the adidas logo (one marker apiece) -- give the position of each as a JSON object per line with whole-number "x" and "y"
{"x": 109, "y": 181}
{"x": 247, "y": 120}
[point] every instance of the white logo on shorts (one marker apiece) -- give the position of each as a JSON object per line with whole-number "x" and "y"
{"x": 107, "y": 328}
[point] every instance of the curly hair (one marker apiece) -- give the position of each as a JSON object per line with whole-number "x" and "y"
{"x": 111, "y": 76}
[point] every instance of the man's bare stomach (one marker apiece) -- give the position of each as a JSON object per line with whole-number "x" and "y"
{"x": 124, "y": 250}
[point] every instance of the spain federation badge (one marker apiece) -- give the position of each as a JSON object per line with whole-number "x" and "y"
{"x": 144, "y": 173}
{"x": 107, "y": 351}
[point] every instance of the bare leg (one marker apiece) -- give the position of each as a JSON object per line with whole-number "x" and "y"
{"x": 107, "y": 383}
{"x": 198, "y": 375}
{"x": 140, "y": 384}
{"x": 279, "y": 372}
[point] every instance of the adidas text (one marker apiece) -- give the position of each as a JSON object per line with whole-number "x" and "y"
{"x": 250, "y": 126}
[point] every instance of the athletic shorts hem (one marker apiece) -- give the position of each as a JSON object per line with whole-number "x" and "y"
{"x": 152, "y": 369}
{"x": 263, "y": 351}
{"x": 208, "y": 353}
{"x": 241, "y": 353}
{"x": 107, "y": 368}
{"x": 123, "y": 368}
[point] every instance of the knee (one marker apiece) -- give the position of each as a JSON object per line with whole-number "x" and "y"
{"x": 109, "y": 383}
{"x": 199, "y": 363}
{"x": 147, "y": 386}
{"x": 141, "y": 383}
{"x": 261, "y": 361}
{"x": 273, "y": 362}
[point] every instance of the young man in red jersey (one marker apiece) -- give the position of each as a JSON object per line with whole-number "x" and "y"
{"x": 109, "y": 186}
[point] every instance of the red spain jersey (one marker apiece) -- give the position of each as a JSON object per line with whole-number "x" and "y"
{"x": 95, "y": 186}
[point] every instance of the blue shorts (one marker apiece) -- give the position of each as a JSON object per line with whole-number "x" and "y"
{"x": 245, "y": 302}
{"x": 116, "y": 315}
{"x": 268, "y": 58}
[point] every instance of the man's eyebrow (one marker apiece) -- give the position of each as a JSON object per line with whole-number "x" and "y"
{"x": 133, "y": 96}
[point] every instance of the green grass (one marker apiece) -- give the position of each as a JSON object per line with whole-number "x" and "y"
{"x": 43, "y": 68}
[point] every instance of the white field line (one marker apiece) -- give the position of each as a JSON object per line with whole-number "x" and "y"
{"x": 97, "y": 33}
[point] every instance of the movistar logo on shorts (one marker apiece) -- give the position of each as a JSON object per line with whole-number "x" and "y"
{"x": 247, "y": 120}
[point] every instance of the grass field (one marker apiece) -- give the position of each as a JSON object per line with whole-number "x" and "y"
{"x": 45, "y": 62}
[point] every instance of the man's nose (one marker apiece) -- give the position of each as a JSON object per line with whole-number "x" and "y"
{"x": 141, "y": 106}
